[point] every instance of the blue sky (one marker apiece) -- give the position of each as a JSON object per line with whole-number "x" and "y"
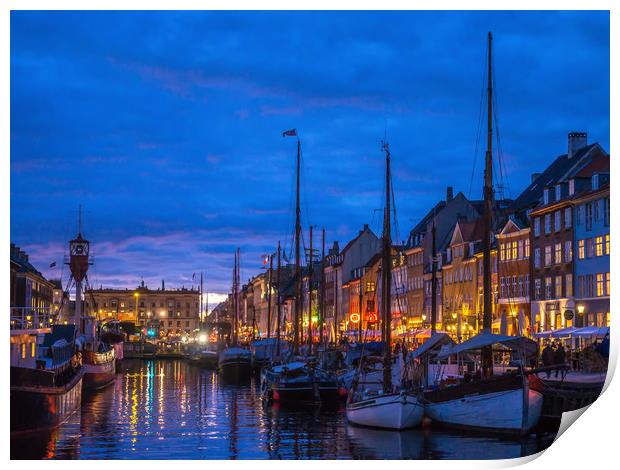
{"x": 167, "y": 126}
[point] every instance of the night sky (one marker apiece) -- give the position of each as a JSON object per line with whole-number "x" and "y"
{"x": 167, "y": 127}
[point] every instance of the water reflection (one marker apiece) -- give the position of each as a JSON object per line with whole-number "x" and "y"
{"x": 172, "y": 410}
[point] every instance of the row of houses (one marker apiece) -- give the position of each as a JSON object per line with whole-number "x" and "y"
{"x": 550, "y": 263}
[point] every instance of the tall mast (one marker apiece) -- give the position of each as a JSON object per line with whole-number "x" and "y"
{"x": 434, "y": 281}
{"x": 297, "y": 258}
{"x": 322, "y": 300}
{"x": 360, "y": 295}
{"x": 200, "y": 313}
{"x": 234, "y": 299}
{"x": 486, "y": 353}
{"x": 310, "y": 277}
{"x": 278, "y": 304}
{"x": 269, "y": 283}
{"x": 386, "y": 278}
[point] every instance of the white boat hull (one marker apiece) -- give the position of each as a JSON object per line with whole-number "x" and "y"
{"x": 394, "y": 411}
{"x": 499, "y": 411}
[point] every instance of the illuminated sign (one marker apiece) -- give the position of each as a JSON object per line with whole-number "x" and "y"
{"x": 371, "y": 317}
{"x": 150, "y": 332}
{"x": 354, "y": 318}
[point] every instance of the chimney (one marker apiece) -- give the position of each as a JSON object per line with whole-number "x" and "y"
{"x": 366, "y": 227}
{"x": 449, "y": 194}
{"x": 576, "y": 141}
{"x": 535, "y": 176}
{"x": 335, "y": 248}
{"x": 163, "y": 285}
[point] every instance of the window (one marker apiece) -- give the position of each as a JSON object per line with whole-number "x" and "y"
{"x": 568, "y": 217}
{"x": 558, "y": 253}
{"x": 607, "y": 282}
{"x": 548, "y": 255}
{"x": 527, "y": 285}
{"x": 547, "y": 224}
{"x": 571, "y": 187}
{"x": 537, "y": 227}
{"x": 558, "y": 192}
{"x": 520, "y": 291}
{"x": 595, "y": 181}
{"x": 514, "y": 250}
{"x": 599, "y": 285}
{"x": 514, "y": 286}
{"x": 537, "y": 257}
{"x": 547, "y": 288}
{"x": 520, "y": 249}
{"x": 579, "y": 215}
{"x": 589, "y": 216}
{"x": 546, "y": 196}
{"x": 527, "y": 248}
{"x": 597, "y": 209}
{"x": 607, "y": 244}
{"x": 606, "y": 212}
{"x": 568, "y": 289}
{"x": 558, "y": 287}
{"x": 537, "y": 289}
{"x": 599, "y": 246}
{"x": 568, "y": 251}
{"x": 558, "y": 221}
{"x": 502, "y": 251}
{"x": 581, "y": 247}
{"x": 502, "y": 292}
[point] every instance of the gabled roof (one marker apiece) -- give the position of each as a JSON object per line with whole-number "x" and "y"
{"x": 559, "y": 170}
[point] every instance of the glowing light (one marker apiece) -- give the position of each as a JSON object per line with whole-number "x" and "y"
{"x": 354, "y": 318}
{"x": 202, "y": 339}
{"x": 581, "y": 308}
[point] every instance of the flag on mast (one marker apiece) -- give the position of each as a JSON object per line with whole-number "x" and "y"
{"x": 291, "y": 133}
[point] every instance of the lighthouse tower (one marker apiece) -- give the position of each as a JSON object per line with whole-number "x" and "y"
{"x": 78, "y": 249}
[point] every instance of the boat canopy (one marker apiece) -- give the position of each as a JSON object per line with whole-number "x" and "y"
{"x": 289, "y": 367}
{"x": 518, "y": 343}
{"x": 435, "y": 342}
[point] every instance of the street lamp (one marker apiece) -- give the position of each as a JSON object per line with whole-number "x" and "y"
{"x": 580, "y": 310}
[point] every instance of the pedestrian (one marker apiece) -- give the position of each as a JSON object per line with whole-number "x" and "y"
{"x": 548, "y": 358}
{"x": 560, "y": 360}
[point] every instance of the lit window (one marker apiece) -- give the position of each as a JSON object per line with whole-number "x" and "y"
{"x": 547, "y": 288}
{"x": 569, "y": 285}
{"x": 558, "y": 253}
{"x": 502, "y": 251}
{"x": 599, "y": 285}
{"x": 607, "y": 244}
{"x": 607, "y": 282}
{"x": 527, "y": 247}
{"x": 514, "y": 250}
{"x": 558, "y": 287}
{"x": 599, "y": 246}
{"x": 548, "y": 255}
{"x": 581, "y": 249}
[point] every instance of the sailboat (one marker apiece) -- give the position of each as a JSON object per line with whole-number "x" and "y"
{"x": 379, "y": 404}
{"x": 482, "y": 401}
{"x": 235, "y": 363}
{"x": 297, "y": 380}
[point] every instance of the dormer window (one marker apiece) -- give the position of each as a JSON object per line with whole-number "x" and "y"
{"x": 595, "y": 181}
{"x": 546, "y": 196}
{"x": 558, "y": 192}
{"x": 571, "y": 187}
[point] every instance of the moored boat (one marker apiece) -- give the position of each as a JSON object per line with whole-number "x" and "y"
{"x": 235, "y": 365}
{"x": 99, "y": 367}
{"x": 47, "y": 392}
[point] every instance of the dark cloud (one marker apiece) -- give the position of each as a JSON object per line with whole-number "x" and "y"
{"x": 166, "y": 126}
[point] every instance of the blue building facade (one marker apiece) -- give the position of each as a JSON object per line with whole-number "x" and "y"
{"x": 592, "y": 250}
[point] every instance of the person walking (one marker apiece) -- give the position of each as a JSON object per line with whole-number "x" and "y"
{"x": 548, "y": 357}
{"x": 560, "y": 360}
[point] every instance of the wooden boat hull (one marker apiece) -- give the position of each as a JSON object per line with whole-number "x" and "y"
{"x": 40, "y": 408}
{"x": 208, "y": 361}
{"x": 99, "y": 369}
{"x": 499, "y": 408}
{"x": 392, "y": 411}
{"x": 235, "y": 371}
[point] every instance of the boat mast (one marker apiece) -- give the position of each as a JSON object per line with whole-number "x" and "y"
{"x": 310, "y": 277}
{"x": 278, "y": 304}
{"x": 269, "y": 285}
{"x": 434, "y": 281}
{"x": 234, "y": 300}
{"x": 297, "y": 257}
{"x": 200, "y": 313}
{"x": 322, "y": 300}
{"x": 486, "y": 353}
{"x": 386, "y": 279}
{"x": 360, "y": 296}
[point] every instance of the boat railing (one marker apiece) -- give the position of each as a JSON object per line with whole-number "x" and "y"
{"x": 32, "y": 318}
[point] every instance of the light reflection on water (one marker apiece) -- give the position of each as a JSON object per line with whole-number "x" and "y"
{"x": 169, "y": 409}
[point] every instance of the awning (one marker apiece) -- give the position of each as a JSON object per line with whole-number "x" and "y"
{"x": 591, "y": 331}
{"x": 561, "y": 333}
{"x": 519, "y": 343}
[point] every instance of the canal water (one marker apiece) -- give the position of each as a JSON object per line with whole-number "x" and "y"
{"x": 169, "y": 409}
